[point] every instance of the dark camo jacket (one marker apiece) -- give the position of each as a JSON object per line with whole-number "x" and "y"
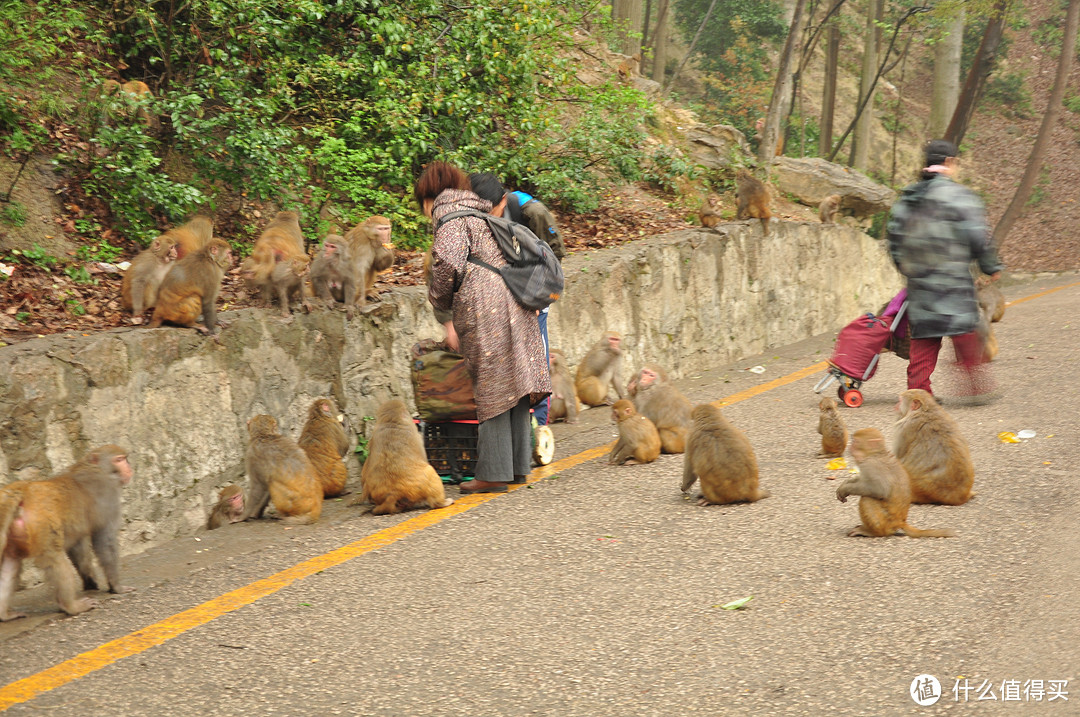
{"x": 936, "y": 229}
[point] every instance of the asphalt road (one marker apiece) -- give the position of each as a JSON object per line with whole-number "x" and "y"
{"x": 597, "y": 590}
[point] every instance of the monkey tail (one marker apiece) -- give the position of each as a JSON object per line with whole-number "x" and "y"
{"x": 9, "y": 507}
{"x": 916, "y": 533}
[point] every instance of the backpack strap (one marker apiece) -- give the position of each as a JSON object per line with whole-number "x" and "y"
{"x": 469, "y": 213}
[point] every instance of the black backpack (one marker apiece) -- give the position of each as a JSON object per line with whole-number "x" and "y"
{"x": 532, "y": 272}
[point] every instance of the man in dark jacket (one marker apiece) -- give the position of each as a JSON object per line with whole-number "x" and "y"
{"x": 936, "y": 229}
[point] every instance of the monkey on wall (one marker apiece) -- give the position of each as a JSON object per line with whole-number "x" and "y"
{"x": 191, "y": 287}
{"x": 629, "y": 66}
{"x": 752, "y": 199}
{"x": 279, "y": 471}
{"x": 62, "y": 523}
{"x": 278, "y": 263}
{"x": 719, "y": 455}
{"x": 369, "y": 255}
{"x": 600, "y": 370}
{"x": 325, "y": 442}
{"x": 396, "y": 475}
{"x": 141, "y": 282}
{"x": 333, "y": 274}
{"x": 828, "y": 208}
{"x": 884, "y": 490}
{"x": 564, "y": 402}
{"x": 833, "y": 432}
{"x": 928, "y": 443}
{"x": 708, "y": 215}
{"x": 638, "y": 440}
{"x": 228, "y": 509}
{"x": 658, "y": 400}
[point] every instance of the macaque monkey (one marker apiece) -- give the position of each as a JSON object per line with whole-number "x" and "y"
{"x": 139, "y": 287}
{"x": 396, "y": 475}
{"x": 280, "y": 471}
{"x": 638, "y": 440}
{"x": 828, "y": 208}
{"x": 192, "y": 236}
{"x": 333, "y": 276}
{"x": 720, "y": 456}
{"x": 61, "y": 523}
{"x": 229, "y": 508}
{"x": 599, "y": 371}
{"x": 752, "y": 197}
{"x": 134, "y": 92}
{"x": 985, "y": 330}
{"x": 658, "y": 400}
{"x": 369, "y": 248}
{"x": 325, "y": 442}
{"x": 564, "y": 402}
{"x": 628, "y": 66}
{"x": 884, "y": 490}
{"x": 928, "y": 443}
{"x": 278, "y": 262}
{"x": 832, "y": 429}
{"x": 191, "y": 287}
{"x": 707, "y": 214}
{"x": 990, "y": 298}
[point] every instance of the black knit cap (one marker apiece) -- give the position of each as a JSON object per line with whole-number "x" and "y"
{"x": 937, "y": 150}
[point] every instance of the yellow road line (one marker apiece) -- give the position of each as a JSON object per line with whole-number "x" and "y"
{"x": 81, "y": 665}
{"x": 1040, "y": 294}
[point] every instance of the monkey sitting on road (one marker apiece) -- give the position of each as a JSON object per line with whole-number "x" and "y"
{"x": 719, "y": 455}
{"x": 564, "y": 403}
{"x": 599, "y": 371}
{"x": 658, "y": 400}
{"x": 279, "y": 470}
{"x": 229, "y": 508}
{"x": 884, "y": 490}
{"x": 929, "y": 445}
{"x": 325, "y": 443}
{"x": 832, "y": 429}
{"x": 638, "y": 439}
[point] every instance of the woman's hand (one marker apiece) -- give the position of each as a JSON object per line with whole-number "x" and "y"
{"x": 451, "y": 336}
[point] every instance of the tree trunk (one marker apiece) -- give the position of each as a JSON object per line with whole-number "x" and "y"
{"x": 782, "y": 87}
{"x": 693, "y": 43}
{"x": 1053, "y": 111}
{"x": 828, "y": 94}
{"x": 627, "y": 16}
{"x": 946, "y": 75}
{"x": 660, "y": 42}
{"x": 985, "y": 60}
{"x": 860, "y": 146}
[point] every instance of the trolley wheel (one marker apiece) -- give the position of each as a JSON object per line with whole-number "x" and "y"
{"x": 841, "y": 390}
{"x": 852, "y": 398}
{"x": 544, "y": 448}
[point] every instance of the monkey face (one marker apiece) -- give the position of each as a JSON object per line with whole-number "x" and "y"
{"x": 123, "y": 469}
{"x": 647, "y": 378}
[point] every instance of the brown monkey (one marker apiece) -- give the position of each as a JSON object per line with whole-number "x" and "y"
{"x": 564, "y": 402}
{"x": 278, "y": 262}
{"x": 928, "y": 443}
{"x": 60, "y": 523}
{"x": 884, "y": 490}
{"x": 752, "y": 197}
{"x": 990, "y": 298}
{"x": 139, "y": 287}
{"x": 280, "y": 471}
{"x": 333, "y": 276}
{"x": 229, "y": 508}
{"x": 720, "y": 455}
{"x": 828, "y": 208}
{"x": 191, "y": 287}
{"x": 600, "y": 370}
{"x": 396, "y": 475}
{"x": 133, "y": 92}
{"x": 628, "y": 66}
{"x": 658, "y": 400}
{"x": 986, "y": 333}
{"x": 192, "y": 236}
{"x": 325, "y": 442}
{"x": 367, "y": 245}
{"x": 707, "y": 214}
{"x": 832, "y": 429}
{"x": 638, "y": 439}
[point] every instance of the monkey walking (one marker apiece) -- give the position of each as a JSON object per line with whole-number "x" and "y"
{"x": 929, "y": 445}
{"x": 883, "y": 486}
{"x": 62, "y": 523}
{"x": 832, "y": 429}
{"x": 719, "y": 455}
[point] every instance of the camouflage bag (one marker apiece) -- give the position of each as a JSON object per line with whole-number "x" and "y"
{"x": 442, "y": 383}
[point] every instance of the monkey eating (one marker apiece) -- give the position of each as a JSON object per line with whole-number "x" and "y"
{"x": 564, "y": 403}
{"x": 61, "y": 523}
{"x": 367, "y": 246}
{"x": 280, "y": 471}
{"x": 141, "y": 282}
{"x": 599, "y": 371}
{"x": 658, "y": 400}
{"x": 928, "y": 443}
{"x": 396, "y": 475}
{"x": 638, "y": 440}
{"x": 884, "y": 490}
{"x": 832, "y": 429}
{"x": 719, "y": 455}
{"x": 191, "y": 287}
{"x": 333, "y": 276}
{"x": 828, "y": 208}
{"x": 325, "y": 442}
{"x": 229, "y": 508}
{"x": 752, "y": 199}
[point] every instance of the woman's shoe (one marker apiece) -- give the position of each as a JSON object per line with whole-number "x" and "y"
{"x": 481, "y": 486}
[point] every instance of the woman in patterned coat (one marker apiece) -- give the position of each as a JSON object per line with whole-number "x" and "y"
{"x": 499, "y": 338}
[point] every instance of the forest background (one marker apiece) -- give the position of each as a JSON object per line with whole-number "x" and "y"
{"x": 332, "y": 109}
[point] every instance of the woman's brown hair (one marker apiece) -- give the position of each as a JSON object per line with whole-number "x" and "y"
{"x": 436, "y": 177}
